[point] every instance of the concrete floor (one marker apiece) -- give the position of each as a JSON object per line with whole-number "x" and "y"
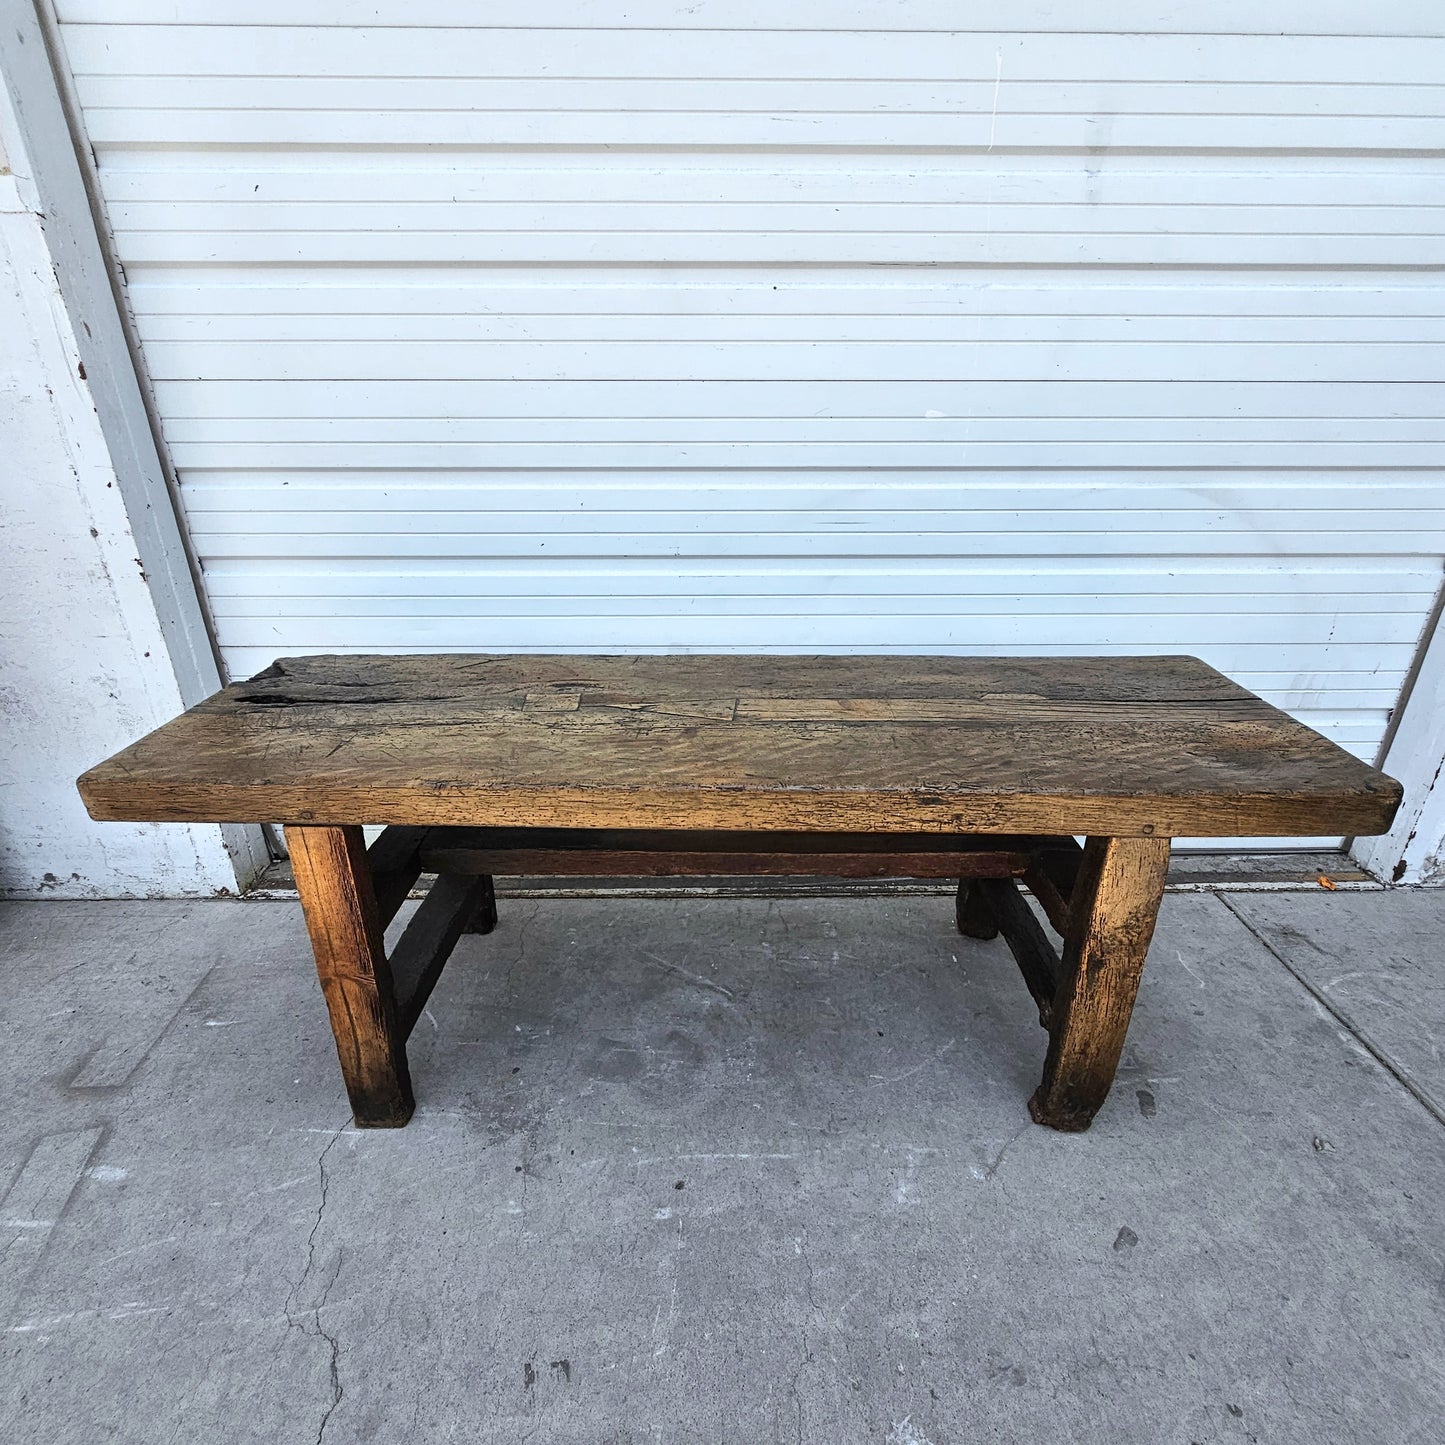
{"x": 724, "y": 1171}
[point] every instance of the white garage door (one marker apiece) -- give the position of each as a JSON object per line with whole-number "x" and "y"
{"x": 813, "y": 327}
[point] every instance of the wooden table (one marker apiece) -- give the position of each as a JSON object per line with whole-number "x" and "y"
{"x": 981, "y": 769}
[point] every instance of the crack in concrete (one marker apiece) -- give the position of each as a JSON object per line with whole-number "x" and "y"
{"x": 315, "y": 1326}
{"x": 1008, "y": 1144}
{"x": 1332, "y": 1007}
{"x": 525, "y": 921}
{"x": 693, "y": 978}
{"x": 807, "y": 1258}
{"x": 794, "y": 1394}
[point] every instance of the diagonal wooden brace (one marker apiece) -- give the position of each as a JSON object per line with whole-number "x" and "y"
{"x": 1052, "y": 875}
{"x": 421, "y": 952}
{"x": 1035, "y": 955}
{"x": 395, "y": 864}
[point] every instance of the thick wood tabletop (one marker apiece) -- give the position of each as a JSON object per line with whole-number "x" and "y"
{"x": 1126, "y": 746}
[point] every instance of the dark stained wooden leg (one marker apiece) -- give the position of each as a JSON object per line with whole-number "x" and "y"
{"x": 1111, "y": 920}
{"x": 484, "y": 920}
{"x": 336, "y": 891}
{"x": 973, "y": 912}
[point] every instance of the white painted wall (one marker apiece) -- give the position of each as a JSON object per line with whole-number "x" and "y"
{"x": 1413, "y": 851}
{"x": 84, "y": 667}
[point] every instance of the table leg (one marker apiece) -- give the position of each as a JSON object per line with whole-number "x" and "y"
{"x": 1111, "y": 920}
{"x": 334, "y": 881}
{"x": 972, "y": 911}
{"x": 484, "y": 917}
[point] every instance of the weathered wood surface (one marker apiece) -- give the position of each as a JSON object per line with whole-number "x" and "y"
{"x": 334, "y": 881}
{"x": 1111, "y": 921}
{"x": 1159, "y": 746}
{"x": 639, "y": 853}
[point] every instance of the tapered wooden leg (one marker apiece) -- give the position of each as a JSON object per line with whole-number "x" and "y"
{"x": 484, "y": 919}
{"x": 336, "y": 891}
{"x": 973, "y": 912}
{"x": 1111, "y": 920}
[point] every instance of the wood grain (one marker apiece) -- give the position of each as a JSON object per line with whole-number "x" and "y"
{"x": 334, "y": 881}
{"x": 1144, "y": 747}
{"x": 1111, "y": 921}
